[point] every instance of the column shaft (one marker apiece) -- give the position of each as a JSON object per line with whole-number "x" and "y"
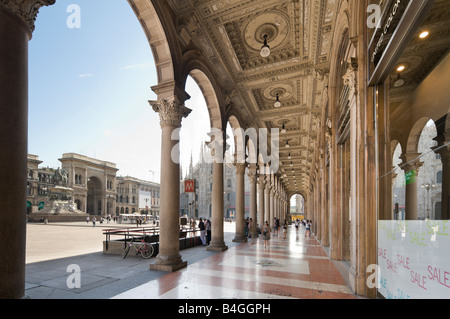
{"x": 252, "y": 179}
{"x": 261, "y": 203}
{"x": 267, "y": 203}
{"x": 171, "y": 113}
{"x": 240, "y": 204}
{"x": 13, "y": 158}
{"x": 217, "y": 240}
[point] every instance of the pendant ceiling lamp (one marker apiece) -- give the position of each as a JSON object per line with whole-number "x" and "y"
{"x": 277, "y": 103}
{"x": 265, "y": 49}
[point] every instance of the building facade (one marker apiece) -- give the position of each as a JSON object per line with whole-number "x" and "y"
{"x": 97, "y": 190}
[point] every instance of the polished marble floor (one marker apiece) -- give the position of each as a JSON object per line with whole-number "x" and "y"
{"x": 295, "y": 267}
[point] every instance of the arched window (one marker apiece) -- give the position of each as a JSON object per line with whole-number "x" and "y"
{"x": 439, "y": 177}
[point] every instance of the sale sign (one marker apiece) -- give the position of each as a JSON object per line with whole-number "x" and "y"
{"x": 189, "y": 186}
{"x": 413, "y": 259}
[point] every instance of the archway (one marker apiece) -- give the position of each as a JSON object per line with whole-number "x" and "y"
{"x": 94, "y": 196}
{"x": 429, "y": 177}
{"x": 297, "y": 206}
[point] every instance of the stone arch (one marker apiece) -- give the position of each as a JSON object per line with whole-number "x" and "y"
{"x": 205, "y": 78}
{"x": 341, "y": 32}
{"x": 301, "y": 193}
{"x": 394, "y": 145}
{"x": 414, "y": 135}
{"x": 237, "y": 137}
{"x": 157, "y": 24}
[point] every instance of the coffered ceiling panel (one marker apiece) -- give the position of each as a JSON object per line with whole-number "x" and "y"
{"x": 230, "y": 34}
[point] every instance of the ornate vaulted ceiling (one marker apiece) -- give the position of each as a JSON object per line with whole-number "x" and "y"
{"x": 230, "y": 34}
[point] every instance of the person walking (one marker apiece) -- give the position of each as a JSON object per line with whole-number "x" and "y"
{"x": 250, "y": 228}
{"x": 266, "y": 233}
{"x": 208, "y": 231}
{"x": 285, "y": 229}
{"x": 202, "y": 228}
{"x": 246, "y": 227}
{"x": 275, "y": 227}
{"x": 308, "y": 229}
{"x": 93, "y": 221}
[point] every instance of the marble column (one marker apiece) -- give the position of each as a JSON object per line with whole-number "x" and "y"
{"x": 16, "y": 27}
{"x": 275, "y": 201}
{"x": 217, "y": 236}
{"x": 267, "y": 201}
{"x": 240, "y": 203}
{"x": 252, "y": 175}
{"x": 261, "y": 198}
{"x": 411, "y": 169}
{"x": 445, "y": 158}
{"x": 171, "y": 112}
{"x": 272, "y": 212}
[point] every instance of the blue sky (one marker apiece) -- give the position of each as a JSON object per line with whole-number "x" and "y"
{"x": 89, "y": 89}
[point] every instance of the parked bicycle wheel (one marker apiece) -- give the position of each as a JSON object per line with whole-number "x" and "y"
{"x": 126, "y": 249}
{"x": 146, "y": 250}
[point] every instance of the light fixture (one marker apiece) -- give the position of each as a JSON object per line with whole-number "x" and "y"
{"x": 401, "y": 68}
{"x": 289, "y": 156}
{"x": 424, "y": 34}
{"x": 399, "y": 82}
{"x": 277, "y": 102}
{"x": 265, "y": 49}
{"x": 283, "y": 129}
{"x": 287, "y": 144}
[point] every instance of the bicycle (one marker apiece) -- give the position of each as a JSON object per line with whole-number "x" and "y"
{"x": 145, "y": 248}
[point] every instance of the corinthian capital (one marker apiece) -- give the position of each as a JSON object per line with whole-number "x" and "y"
{"x": 240, "y": 168}
{"x": 25, "y": 10}
{"x": 171, "y": 112}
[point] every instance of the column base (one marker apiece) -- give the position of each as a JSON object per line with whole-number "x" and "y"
{"x": 217, "y": 247}
{"x": 240, "y": 239}
{"x": 168, "y": 263}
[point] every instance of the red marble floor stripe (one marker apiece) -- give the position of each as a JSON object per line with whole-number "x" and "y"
{"x": 328, "y": 275}
{"x": 273, "y": 289}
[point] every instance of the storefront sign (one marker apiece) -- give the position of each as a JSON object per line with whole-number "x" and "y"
{"x": 390, "y": 23}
